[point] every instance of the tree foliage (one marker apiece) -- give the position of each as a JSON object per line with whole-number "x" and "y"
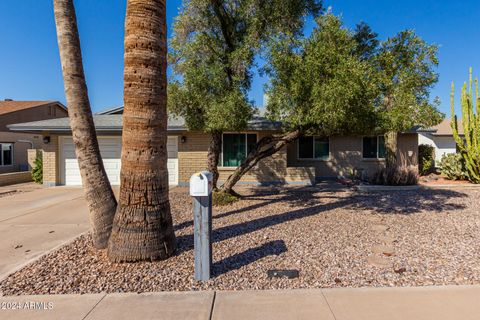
{"x": 322, "y": 85}
{"x": 406, "y": 73}
{"x": 212, "y": 53}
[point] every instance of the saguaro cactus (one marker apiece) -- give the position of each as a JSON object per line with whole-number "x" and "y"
{"x": 468, "y": 145}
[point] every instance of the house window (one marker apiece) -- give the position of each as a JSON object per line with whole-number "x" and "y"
{"x": 236, "y": 147}
{"x": 313, "y": 148}
{"x": 6, "y": 154}
{"x": 374, "y": 147}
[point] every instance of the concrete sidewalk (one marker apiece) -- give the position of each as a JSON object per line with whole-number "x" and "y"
{"x": 32, "y": 223}
{"x": 439, "y": 303}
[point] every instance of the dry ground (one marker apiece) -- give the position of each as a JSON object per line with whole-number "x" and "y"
{"x": 333, "y": 235}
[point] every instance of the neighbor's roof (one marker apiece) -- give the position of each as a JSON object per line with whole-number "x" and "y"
{"x": 107, "y": 122}
{"x": 445, "y": 128}
{"x": 112, "y": 110}
{"x": 8, "y": 106}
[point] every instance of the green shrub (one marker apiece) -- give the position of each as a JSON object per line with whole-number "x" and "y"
{"x": 37, "y": 171}
{"x": 426, "y": 156}
{"x": 399, "y": 176}
{"x": 221, "y": 198}
{"x": 452, "y": 166}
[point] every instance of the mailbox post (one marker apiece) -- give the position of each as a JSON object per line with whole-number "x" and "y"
{"x": 201, "y": 191}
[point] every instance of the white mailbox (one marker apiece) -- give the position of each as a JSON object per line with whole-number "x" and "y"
{"x": 201, "y": 184}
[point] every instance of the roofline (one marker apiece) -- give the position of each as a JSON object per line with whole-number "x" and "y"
{"x": 63, "y": 129}
{"x": 46, "y": 103}
{"x": 445, "y": 134}
{"x": 61, "y": 105}
{"x": 109, "y": 110}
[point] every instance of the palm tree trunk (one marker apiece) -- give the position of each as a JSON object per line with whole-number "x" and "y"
{"x": 214, "y": 150}
{"x": 142, "y": 228}
{"x": 267, "y": 146}
{"x": 98, "y": 192}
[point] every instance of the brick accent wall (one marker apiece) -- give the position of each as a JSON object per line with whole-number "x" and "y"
{"x": 192, "y": 157}
{"x": 51, "y": 163}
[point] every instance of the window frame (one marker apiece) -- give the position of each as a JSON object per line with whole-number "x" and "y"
{"x": 378, "y": 149}
{"x": 314, "y": 159}
{"x": 12, "y": 157}
{"x": 245, "y": 133}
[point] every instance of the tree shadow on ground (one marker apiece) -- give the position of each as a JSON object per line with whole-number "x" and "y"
{"x": 398, "y": 202}
{"x": 409, "y": 202}
{"x": 304, "y": 195}
{"x": 248, "y": 256}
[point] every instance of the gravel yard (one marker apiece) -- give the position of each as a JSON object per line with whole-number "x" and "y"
{"x": 333, "y": 235}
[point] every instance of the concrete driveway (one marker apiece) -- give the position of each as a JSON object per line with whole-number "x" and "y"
{"x": 35, "y": 222}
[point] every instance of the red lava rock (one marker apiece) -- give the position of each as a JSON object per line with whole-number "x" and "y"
{"x": 324, "y": 230}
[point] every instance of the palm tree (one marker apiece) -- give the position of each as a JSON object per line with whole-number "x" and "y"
{"x": 98, "y": 192}
{"x": 142, "y": 228}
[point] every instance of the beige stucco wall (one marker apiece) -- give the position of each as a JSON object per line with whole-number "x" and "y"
{"x": 346, "y": 154}
{"x": 20, "y": 156}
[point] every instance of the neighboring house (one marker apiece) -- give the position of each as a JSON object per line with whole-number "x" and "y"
{"x": 302, "y": 162}
{"x": 441, "y": 138}
{"x": 14, "y": 145}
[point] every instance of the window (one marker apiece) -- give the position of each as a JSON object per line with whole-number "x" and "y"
{"x": 235, "y": 148}
{"x": 6, "y": 154}
{"x": 313, "y": 148}
{"x": 374, "y": 147}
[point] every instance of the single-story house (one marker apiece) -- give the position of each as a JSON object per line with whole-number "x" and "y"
{"x": 302, "y": 162}
{"x": 14, "y": 145}
{"x": 441, "y": 138}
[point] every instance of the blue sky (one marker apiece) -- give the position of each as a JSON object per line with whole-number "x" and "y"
{"x": 30, "y": 67}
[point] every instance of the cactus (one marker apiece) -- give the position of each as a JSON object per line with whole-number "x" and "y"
{"x": 469, "y": 144}
{"x": 452, "y": 166}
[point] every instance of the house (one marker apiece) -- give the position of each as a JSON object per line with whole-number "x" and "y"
{"x": 14, "y": 145}
{"x": 441, "y": 138}
{"x": 303, "y": 162}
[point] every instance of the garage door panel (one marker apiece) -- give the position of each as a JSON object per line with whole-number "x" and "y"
{"x": 71, "y": 164}
{"x": 111, "y": 165}
{"x": 110, "y": 149}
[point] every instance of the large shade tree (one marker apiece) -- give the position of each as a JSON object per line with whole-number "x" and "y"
{"x": 98, "y": 192}
{"x": 213, "y": 50}
{"x": 406, "y": 73}
{"x": 321, "y": 85}
{"x": 143, "y": 227}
